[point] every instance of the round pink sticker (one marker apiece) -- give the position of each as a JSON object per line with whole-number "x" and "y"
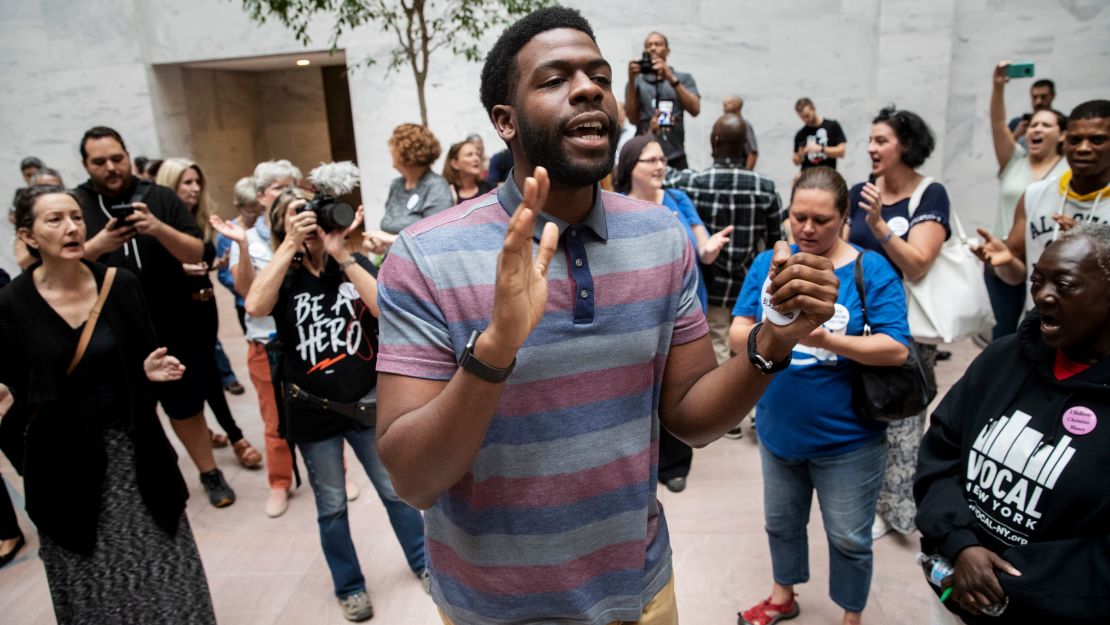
{"x": 1080, "y": 420}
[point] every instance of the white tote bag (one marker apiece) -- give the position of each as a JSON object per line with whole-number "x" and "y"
{"x": 951, "y": 302}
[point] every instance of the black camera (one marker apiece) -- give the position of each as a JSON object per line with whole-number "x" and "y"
{"x": 331, "y": 213}
{"x": 645, "y": 64}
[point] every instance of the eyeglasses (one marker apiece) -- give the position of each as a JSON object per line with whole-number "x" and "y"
{"x": 658, "y": 160}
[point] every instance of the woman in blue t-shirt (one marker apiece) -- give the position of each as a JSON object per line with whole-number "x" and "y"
{"x": 810, "y": 436}
{"x": 881, "y": 221}
{"x": 640, "y": 175}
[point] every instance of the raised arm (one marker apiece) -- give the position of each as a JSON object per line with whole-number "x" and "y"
{"x": 430, "y": 431}
{"x": 701, "y": 401}
{"x": 1004, "y": 143}
{"x": 263, "y": 294}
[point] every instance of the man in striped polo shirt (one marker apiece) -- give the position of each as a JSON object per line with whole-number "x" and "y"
{"x": 521, "y": 396}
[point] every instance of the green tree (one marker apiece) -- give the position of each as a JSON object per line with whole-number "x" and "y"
{"x": 421, "y": 27}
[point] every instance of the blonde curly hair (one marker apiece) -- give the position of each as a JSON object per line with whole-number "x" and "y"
{"x": 417, "y": 145}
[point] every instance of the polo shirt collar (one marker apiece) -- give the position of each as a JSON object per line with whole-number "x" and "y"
{"x": 509, "y": 196}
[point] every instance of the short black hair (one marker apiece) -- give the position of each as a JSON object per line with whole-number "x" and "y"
{"x": 99, "y": 132}
{"x": 1044, "y": 82}
{"x": 141, "y": 163}
{"x": 30, "y": 161}
{"x": 1091, "y": 109}
{"x": 499, "y": 72}
{"x": 666, "y": 42}
{"x": 913, "y": 133}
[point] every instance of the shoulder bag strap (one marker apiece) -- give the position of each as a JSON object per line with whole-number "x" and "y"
{"x": 915, "y": 199}
{"x": 862, "y": 294}
{"x": 94, "y": 315}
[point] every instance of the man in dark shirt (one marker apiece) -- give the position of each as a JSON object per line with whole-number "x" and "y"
{"x": 152, "y": 241}
{"x": 735, "y": 104}
{"x": 728, "y": 194}
{"x": 663, "y": 90}
{"x": 820, "y": 142}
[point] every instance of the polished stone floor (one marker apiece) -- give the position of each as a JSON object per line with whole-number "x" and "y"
{"x": 266, "y": 571}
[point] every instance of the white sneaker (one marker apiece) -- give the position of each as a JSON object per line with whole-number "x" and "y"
{"x": 880, "y": 528}
{"x": 277, "y": 503}
{"x": 352, "y": 491}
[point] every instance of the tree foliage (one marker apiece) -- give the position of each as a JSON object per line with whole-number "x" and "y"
{"x": 420, "y": 27}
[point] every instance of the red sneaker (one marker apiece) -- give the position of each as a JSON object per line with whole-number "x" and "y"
{"x": 767, "y": 613}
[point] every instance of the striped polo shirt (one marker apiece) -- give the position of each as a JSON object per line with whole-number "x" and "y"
{"x": 557, "y": 519}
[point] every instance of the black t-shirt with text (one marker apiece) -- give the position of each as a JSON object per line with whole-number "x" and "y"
{"x": 329, "y": 345}
{"x": 827, "y": 134}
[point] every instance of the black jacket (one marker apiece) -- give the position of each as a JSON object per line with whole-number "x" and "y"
{"x": 52, "y": 441}
{"x": 1010, "y": 462}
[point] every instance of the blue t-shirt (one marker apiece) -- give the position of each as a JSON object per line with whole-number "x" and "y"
{"x": 806, "y": 412}
{"x": 680, "y": 203}
{"x": 933, "y": 207}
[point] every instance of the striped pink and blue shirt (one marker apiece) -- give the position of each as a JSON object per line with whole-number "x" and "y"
{"x": 557, "y": 520}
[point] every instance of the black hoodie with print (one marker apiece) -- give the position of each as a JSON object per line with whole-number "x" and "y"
{"x": 1017, "y": 461}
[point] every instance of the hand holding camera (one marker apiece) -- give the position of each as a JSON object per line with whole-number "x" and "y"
{"x": 299, "y": 224}
{"x": 335, "y": 241}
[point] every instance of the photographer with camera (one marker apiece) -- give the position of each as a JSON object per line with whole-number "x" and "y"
{"x": 655, "y": 87}
{"x": 324, "y": 303}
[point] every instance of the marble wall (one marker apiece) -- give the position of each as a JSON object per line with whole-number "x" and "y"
{"x": 116, "y": 62}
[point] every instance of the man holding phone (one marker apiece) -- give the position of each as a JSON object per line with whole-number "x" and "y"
{"x": 146, "y": 229}
{"x": 655, "y": 87}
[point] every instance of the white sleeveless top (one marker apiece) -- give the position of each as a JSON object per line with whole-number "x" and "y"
{"x": 1049, "y": 197}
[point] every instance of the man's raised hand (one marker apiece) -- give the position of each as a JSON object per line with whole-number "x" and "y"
{"x": 520, "y": 295}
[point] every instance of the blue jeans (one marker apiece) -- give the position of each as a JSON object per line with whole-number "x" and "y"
{"x": 223, "y": 365}
{"x": 324, "y": 460}
{"x": 847, "y": 488}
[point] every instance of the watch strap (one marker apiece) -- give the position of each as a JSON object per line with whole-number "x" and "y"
{"x": 765, "y": 366}
{"x": 472, "y": 364}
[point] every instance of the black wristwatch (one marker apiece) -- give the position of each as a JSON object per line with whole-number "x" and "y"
{"x": 469, "y": 362}
{"x": 765, "y": 366}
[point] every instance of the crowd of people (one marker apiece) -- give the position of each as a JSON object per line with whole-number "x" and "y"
{"x": 524, "y": 348}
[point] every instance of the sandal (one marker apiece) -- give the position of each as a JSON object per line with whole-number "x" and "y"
{"x": 767, "y": 613}
{"x": 248, "y": 456}
{"x": 219, "y": 441}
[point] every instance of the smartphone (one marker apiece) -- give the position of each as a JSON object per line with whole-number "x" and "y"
{"x": 666, "y": 112}
{"x": 121, "y": 212}
{"x": 1021, "y": 69}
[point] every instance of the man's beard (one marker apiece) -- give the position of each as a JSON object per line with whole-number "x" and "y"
{"x": 543, "y": 145}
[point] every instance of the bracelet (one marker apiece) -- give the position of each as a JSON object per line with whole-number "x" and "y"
{"x": 887, "y": 238}
{"x": 347, "y": 263}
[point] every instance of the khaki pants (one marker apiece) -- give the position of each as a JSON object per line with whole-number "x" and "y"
{"x": 661, "y": 610}
{"x": 720, "y": 319}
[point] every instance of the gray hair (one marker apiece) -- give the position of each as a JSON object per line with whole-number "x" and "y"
{"x": 245, "y": 190}
{"x": 1099, "y": 236}
{"x": 269, "y": 172}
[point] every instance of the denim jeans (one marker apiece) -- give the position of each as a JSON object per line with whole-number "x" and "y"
{"x": 847, "y": 488}
{"x": 223, "y": 365}
{"x": 324, "y": 460}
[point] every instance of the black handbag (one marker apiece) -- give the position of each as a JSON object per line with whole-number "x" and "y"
{"x": 888, "y": 393}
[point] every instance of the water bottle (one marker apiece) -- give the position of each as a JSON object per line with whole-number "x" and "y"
{"x": 937, "y": 568}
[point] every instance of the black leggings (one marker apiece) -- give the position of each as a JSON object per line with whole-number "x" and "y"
{"x": 207, "y": 320}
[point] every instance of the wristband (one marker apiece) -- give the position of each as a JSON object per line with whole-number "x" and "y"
{"x": 887, "y": 238}
{"x": 347, "y": 263}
